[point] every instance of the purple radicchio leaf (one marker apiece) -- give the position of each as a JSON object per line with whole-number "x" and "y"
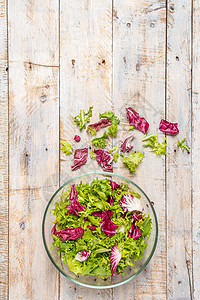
{"x": 136, "y": 217}
{"x": 92, "y": 228}
{"x": 80, "y": 158}
{"x": 106, "y": 225}
{"x": 110, "y": 200}
{"x": 134, "y": 232}
{"x": 136, "y": 121}
{"x": 82, "y": 255}
{"x": 68, "y": 233}
{"x": 125, "y": 145}
{"x": 104, "y": 159}
{"x": 73, "y": 194}
{"x": 114, "y": 185}
{"x": 114, "y": 258}
{"x": 101, "y": 124}
{"x": 130, "y": 203}
{"x": 168, "y": 127}
{"x": 75, "y": 207}
{"x": 77, "y": 138}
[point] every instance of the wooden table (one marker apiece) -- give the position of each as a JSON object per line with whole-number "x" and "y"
{"x": 57, "y": 57}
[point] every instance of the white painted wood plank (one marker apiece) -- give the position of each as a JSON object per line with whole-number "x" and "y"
{"x": 139, "y": 82}
{"x": 34, "y": 143}
{"x": 86, "y": 80}
{"x": 179, "y": 239}
{"x": 3, "y": 153}
{"x": 196, "y": 148}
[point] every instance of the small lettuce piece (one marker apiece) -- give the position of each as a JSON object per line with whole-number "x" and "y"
{"x": 168, "y": 127}
{"x": 183, "y": 146}
{"x": 92, "y": 128}
{"x": 115, "y": 151}
{"x": 101, "y": 141}
{"x": 158, "y": 148}
{"x": 131, "y": 127}
{"x": 132, "y": 160}
{"x": 83, "y": 118}
{"x": 66, "y": 147}
{"x": 92, "y": 155}
{"x": 112, "y": 130}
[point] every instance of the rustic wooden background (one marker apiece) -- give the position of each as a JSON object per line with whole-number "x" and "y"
{"x": 59, "y": 56}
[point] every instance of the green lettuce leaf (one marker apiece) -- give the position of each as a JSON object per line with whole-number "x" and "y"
{"x": 83, "y": 118}
{"x": 132, "y": 160}
{"x": 131, "y": 127}
{"x": 92, "y": 155}
{"x": 183, "y": 146}
{"x": 115, "y": 151}
{"x": 158, "y": 148}
{"x": 112, "y": 130}
{"x": 66, "y": 147}
{"x": 101, "y": 141}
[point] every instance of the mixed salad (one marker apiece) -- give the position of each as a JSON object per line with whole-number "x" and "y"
{"x": 100, "y": 228}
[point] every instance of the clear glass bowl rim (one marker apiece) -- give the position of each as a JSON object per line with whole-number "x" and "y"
{"x": 112, "y": 285}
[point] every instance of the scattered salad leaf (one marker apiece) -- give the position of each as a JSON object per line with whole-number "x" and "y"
{"x": 104, "y": 159}
{"x": 183, "y": 146}
{"x": 80, "y": 158}
{"x": 115, "y": 151}
{"x": 66, "y": 147}
{"x": 112, "y": 130}
{"x": 131, "y": 127}
{"x": 132, "y": 160}
{"x": 167, "y": 127}
{"x": 92, "y": 155}
{"x": 125, "y": 145}
{"x": 136, "y": 121}
{"x": 83, "y": 118}
{"x": 101, "y": 141}
{"x": 92, "y": 128}
{"x": 114, "y": 258}
{"x": 158, "y": 148}
{"x": 77, "y": 138}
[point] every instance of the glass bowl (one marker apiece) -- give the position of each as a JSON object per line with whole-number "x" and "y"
{"x": 94, "y": 281}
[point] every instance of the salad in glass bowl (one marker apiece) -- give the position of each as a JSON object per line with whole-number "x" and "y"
{"x": 100, "y": 229}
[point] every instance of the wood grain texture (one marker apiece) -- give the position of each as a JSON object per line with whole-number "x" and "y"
{"x": 179, "y": 239}
{"x": 85, "y": 80}
{"x": 3, "y": 153}
{"x": 196, "y": 148}
{"x": 34, "y": 143}
{"x": 139, "y": 82}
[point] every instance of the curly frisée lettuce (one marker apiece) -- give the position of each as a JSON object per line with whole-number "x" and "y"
{"x": 102, "y": 238}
